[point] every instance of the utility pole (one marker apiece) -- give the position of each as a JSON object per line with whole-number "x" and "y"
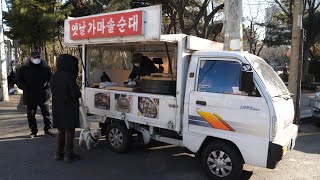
{"x": 296, "y": 57}
{"x": 4, "y": 92}
{"x": 233, "y": 37}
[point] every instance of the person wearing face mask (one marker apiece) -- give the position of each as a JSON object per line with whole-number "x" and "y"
{"x": 33, "y": 78}
{"x": 142, "y": 66}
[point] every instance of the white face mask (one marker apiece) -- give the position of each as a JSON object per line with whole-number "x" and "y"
{"x": 137, "y": 64}
{"x": 36, "y": 61}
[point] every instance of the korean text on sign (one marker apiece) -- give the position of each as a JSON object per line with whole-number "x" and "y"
{"x": 109, "y": 25}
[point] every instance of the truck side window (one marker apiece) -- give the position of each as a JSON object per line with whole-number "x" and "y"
{"x": 219, "y": 77}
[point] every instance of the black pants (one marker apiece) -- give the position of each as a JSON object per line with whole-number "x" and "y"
{"x": 31, "y": 114}
{"x": 65, "y": 142}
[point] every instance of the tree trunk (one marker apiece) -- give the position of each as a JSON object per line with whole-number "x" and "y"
{"x": 306, "y": 54}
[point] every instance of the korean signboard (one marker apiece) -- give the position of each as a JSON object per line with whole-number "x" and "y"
{"x": 108, "y": 25}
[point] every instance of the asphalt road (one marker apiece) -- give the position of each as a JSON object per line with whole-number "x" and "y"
{"x": 23, "y": 158}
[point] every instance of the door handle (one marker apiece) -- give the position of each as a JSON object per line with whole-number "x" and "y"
{"x": 203, "y": 103}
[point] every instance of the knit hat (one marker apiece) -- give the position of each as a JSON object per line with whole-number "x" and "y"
{"x": 35, "y": 54}
{"x": 136, "y": 58}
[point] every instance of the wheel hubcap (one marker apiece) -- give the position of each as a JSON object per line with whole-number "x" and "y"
{"x": 115, "y": 137}
{"x": 219, "y": 163}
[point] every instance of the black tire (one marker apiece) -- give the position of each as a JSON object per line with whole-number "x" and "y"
{"x": 230, "y": 161}
{"x": 118, "y": 137}
{"x": 317, "y": 123}
{"x": 103, "y": 127}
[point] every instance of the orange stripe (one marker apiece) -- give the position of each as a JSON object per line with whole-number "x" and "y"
{"x": 213, "y": 121}
{"x": 224, "y": 122}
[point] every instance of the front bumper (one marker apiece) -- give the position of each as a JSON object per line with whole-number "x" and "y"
{"x": 279, "y": 148}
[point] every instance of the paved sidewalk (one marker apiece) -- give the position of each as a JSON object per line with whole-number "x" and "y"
{"x": 15, "y": 120}
{"x": 22, "y": 158}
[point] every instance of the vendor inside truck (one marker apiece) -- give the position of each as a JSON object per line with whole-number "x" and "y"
{"x": 142, "y": 66}
{"x": 130, "y": 68}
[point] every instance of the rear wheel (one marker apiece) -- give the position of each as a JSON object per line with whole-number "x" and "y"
{"x": 222, "y": 161}
{"x": 118, "y": 137}
{"x": 317, "y": 123}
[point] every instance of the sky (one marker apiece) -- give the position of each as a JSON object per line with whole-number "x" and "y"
{"x": 255, "y": 9}
{"x": 252, "y": 10}
{"x": 250, "y": 7}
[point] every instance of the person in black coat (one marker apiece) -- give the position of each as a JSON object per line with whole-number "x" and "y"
{"x": 33, "y": 78}
{"x": 142, "y": 66}
{"x": 65, "y": 105}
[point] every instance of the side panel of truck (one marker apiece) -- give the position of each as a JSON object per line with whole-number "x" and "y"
{"x": 149, "y": 109}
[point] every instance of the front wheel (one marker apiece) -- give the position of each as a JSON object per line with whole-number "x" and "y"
{"x": 222, "y": 161}
{"x": 117, "y": 137}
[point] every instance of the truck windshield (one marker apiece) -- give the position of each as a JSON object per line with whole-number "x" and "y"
{"x": 271, "y": 80}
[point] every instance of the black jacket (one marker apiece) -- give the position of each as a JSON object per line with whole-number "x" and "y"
{"x": 65, "y": 93}
{"x": 34, "y": 79}
{"x": 146, "y": 68}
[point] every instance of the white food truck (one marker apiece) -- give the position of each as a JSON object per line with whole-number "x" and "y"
{"x": 229, "y": 108}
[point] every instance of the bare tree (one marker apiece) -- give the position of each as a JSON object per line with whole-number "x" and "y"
{"x": 310, "y": 24}
{"x": 191, "y": 16}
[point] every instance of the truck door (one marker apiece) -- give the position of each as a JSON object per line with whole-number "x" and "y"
{"x": 216, "y": 105}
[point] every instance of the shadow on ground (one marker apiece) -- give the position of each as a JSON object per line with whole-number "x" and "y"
{"x": 25, "y": 158}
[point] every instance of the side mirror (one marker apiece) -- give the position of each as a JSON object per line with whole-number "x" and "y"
{"x": 246, "y": 79}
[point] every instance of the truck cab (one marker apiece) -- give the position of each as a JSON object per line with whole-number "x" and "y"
{"x": 257, "y": 122}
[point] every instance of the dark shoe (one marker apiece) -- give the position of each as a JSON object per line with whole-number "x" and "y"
{"x": 21, "y": 107}
{"x": 71, "y": 158}
{"x": 59, "y": 157}
{"x": 48, "y": 133}
{"x": 33, "y": 135}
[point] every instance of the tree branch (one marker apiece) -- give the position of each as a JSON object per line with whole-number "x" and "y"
{"x": 207, "y": 20}
{"x": 304, "y": 5}
{"x": 218, "y": 8}
{"x": 199, "y": 15}
{"x": 196, "y": 4}
{"x": 180, "y": 13}
{"x": 283, "y": 9}
{"x": 259, "y": 51}
{"x": 173, "y": 4}
{"x": 312, "y": 4}
{"x": 290, "y": 10}
{"x": 317, "y": 6}
{"x": 184, "y": 3}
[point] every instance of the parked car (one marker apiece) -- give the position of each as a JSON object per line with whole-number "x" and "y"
{"x": 316, "y": 109}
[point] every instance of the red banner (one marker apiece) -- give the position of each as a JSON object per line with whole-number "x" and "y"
{"x": 109, "y": 25}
